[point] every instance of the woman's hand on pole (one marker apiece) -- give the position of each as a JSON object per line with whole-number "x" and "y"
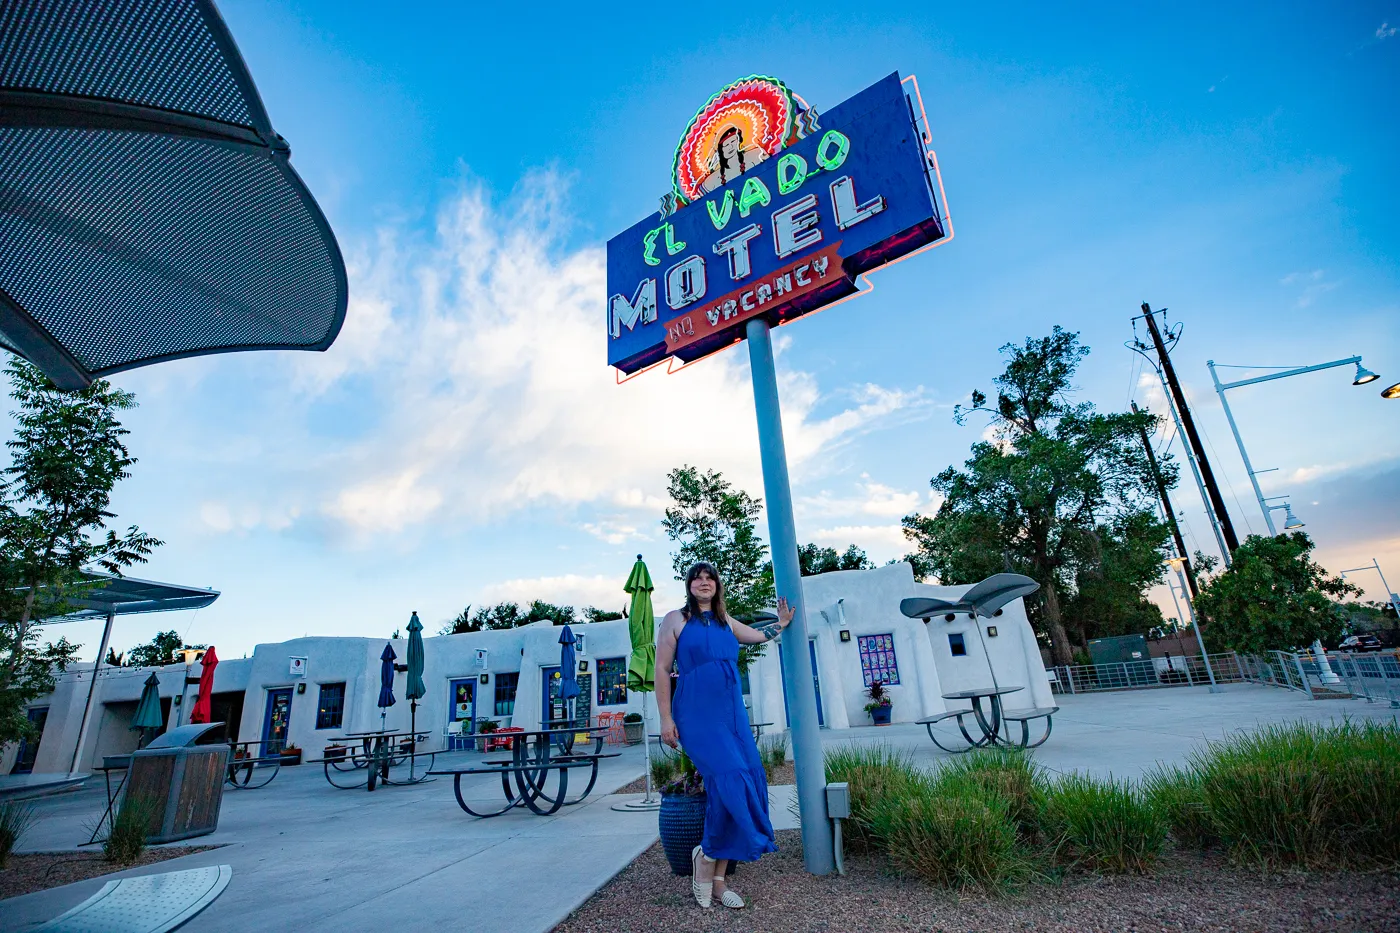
{"x": 785, "y": 612}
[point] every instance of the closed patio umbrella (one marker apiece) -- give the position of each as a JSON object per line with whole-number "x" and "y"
{"x": 201, "y": 711}
{"x": 148, "y": 717}
{"x": 568, "y": 676}
{"x": 641, "y": 665}
{"x": 386, "y": 682}
{"x": 415, "y": 688}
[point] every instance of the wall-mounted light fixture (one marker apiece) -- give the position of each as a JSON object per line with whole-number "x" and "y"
{"x": 486, "y": 678}
{"x": 845, "y": 634}
{"x": 583, "y": 667}
{"x": 991, "y": 631}
{"x": 301, "y": 687}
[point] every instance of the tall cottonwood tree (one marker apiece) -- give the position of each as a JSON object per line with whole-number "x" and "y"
{"x": 66, "y": 455}
{"x": 1041, "y": 497}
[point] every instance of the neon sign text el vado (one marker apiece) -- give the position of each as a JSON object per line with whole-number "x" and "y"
{"x": 784, "y": 229}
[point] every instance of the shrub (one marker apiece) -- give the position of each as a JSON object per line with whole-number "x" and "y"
{"x": 1007, "y": 775}
{"x": 1103, "y": 824}
{"x": 1179, "y": 796}
{"x": 878, "y": 776}
{"x": 773, "y": 752}
{"x": 674, "y": 773}
{"x": 950, "y": 834}
{"x": 632, "y": 717}
{"x": 16, "y": 817}
{"x": 1316, "y": 795}
{"x": 127, "y": 840}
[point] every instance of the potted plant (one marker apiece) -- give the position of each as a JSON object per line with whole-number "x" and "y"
{"x": 681, "y": 819}
{"x": 632, "y": 726}
{"x": 291, "y": 755}
{"x": 880, "y": 703}
{"x": 334, "y": 752}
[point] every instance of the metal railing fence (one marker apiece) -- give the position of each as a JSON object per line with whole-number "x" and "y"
{"x": 1180, "y": 671}
{"x": 1371, "y": 675}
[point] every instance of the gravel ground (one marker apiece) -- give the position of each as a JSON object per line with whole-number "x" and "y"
{"x": 25, "y": 874}
{"x": 1188, "y": 893}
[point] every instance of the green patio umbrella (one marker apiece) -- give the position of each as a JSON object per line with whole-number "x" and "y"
{"x": 641, "y": 665}
{"x": 148, "y": 715}
{"x": 416, "y": 688}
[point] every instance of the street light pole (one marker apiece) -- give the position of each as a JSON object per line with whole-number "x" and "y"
{"x": 1393, "y": 598}
{"x": 1196, "y": 626}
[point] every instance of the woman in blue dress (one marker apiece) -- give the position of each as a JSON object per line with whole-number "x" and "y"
{"x": 707, "y": 718}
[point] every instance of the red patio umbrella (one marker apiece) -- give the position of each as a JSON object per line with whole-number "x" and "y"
{"x": 206, "y": 687}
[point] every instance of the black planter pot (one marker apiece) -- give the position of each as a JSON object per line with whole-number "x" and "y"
{"x": 881, "y": 715}
{"x": 682, "y": 823}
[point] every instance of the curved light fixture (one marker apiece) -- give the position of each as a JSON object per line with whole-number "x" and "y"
{"x": 1290, "y": 521}
{"x": 1392, "y": 392}
{"x": 1363, "y": 376}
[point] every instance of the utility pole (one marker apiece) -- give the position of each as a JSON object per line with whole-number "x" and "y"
{"x": 1167, "y": 506}
{"x": 1216, "y": 502}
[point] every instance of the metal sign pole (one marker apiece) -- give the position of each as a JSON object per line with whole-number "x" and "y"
{"x": 818, "y": 854}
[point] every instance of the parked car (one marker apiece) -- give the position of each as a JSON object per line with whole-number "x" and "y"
{"x": 1360, "y": 643}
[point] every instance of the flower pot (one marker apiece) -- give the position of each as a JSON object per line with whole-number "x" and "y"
{"x": 292, "y": 757}
{"x": 682, "y": 823}
{"x": 881, "y": 715}
{"x": 335, "y": 754}
{"x": 632, "y": 732}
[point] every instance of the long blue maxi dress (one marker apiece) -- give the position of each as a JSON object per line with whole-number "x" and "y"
{"x": 708, "y": 710}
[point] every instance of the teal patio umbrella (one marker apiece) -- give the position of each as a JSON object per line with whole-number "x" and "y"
{"x": 416, "y": 688}
{"x": 641, "y": 664}
{"x": 148, "y": 716}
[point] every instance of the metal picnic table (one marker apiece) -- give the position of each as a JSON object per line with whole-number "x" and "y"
{"x": 375, "y": 756}
{"x": 990, "y": 725}
{"x": 241, "y": 765}
{"x": 525, "y": 774}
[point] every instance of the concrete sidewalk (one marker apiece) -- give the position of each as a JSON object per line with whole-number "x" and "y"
{"x": 309, "y": 857}
{"x": 306, "y": 856}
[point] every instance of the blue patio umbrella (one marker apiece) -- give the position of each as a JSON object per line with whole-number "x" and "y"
{"x": 415, "y": 688}
{"x": 568, "y": 676}
{"x": 386, "y": 679}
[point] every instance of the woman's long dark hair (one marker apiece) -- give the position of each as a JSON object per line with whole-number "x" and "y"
{"x": 692, "y": 605}
{"x": 723, "y": 180}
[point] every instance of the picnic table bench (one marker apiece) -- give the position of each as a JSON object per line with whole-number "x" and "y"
{"x": 240, "y": 769}
{"x": 989, "y": 726}
{"x": 376, "y": 755}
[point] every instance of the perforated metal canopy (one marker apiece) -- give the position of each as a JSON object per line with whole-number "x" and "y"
{"x": 148, "y": 211}
{"x": 129, "y": 595}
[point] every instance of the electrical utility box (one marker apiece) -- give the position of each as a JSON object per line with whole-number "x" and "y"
{"x": 1127, "y": 653}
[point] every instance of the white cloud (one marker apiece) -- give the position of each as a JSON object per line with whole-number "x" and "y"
{"x": 880, "y": 542}
{"x": 1312, "y": 284}
{"x": 1386, "y": 31}
{"x": 578, "y": 591}
{"x": 478, "y": 359}
{"x": 869, "y": 499}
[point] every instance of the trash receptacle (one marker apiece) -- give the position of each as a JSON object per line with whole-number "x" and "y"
{"x": 182, "y": 782}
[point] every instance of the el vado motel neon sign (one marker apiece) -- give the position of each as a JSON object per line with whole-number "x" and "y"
{"x": 776, "y": 211}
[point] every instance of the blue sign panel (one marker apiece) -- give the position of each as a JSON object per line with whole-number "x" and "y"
{"x": 783, "y": 237}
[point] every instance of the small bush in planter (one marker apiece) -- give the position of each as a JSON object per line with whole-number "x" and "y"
{"x": 487, "y": 726}
{"x": 334, "y": 752}
{"x": 632, "y": 728}
{"x": 880, "y": 703}
{"x": 291, "y": 754}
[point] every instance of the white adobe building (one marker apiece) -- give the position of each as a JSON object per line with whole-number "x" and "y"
{"x": 306, "y": 691}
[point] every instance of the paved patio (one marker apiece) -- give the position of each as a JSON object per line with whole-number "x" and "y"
{"x": 306, "y": 856}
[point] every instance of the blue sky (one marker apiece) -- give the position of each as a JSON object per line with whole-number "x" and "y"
{"x": 464, "y": 442}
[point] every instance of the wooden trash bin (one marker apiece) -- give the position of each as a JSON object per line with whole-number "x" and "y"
{"x": 183, "y": 782}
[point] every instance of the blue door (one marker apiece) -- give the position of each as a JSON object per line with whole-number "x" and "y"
{"x": 816, "y": 682}
{"x": 551, "y": 706}
{"x": 277, "y": 720}
{"x": 29, "y": 749}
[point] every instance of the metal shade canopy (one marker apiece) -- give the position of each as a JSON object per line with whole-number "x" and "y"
{"x": 148, "y": 211}
{"x": 984, "y": 599}
{"x": 128, "y": 595}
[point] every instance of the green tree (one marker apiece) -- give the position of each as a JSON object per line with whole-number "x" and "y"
{"x": 713, "y": 521}
{"x": 507, "y": 615}
{"x": 1109, "y": 596}
{"x": 66, "y": 455}
{"x": 157, "y": 652}
{"x": 1036, "y": 498}
{"x": 813, "y": 559}
{"x": 541, "y": 611}
{"x": 594, "y": 614}
{"x": 1273, "y": 597}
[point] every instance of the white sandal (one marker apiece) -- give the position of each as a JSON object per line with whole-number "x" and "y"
{"x": 732, "y": 899}
{"x": 704, "y": 893}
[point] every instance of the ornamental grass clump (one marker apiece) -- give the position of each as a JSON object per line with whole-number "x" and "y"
{"x": 1106, "y": 825}
{"x": 16, "y": 817}
{"x": 951, "y": 834}
{"x": 1179, "y": 796}
{"x": 878, "y": 777}
{"x": 127, "y": 840}
{"x": 1009, "y": 775}
{"x": 1313, "y": 795}
{"x": 772, "y": 751}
